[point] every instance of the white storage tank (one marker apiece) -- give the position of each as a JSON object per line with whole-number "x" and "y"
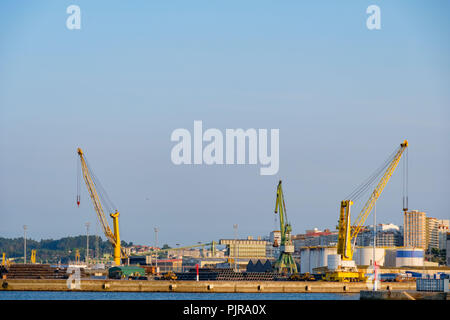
{"x": 334, "y": 260}
{"x": 304, "y": 260}
{"x": 409, "y": 257}
{"x": 389, "y": 257}
{"x": 326, "y": 252}
{"x": 314, "y": 257}
{"x": 363, "y": 256}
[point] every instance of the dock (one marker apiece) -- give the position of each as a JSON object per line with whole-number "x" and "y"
{"x": 102, "y": 285}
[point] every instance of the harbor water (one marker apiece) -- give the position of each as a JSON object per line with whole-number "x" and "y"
{"x": 70, "y": 295}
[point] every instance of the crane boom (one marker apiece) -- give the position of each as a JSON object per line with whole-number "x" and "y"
{"x": 113, "y": 237}
{"x": 359, "y": 221}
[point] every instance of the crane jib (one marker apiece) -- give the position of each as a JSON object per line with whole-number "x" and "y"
{"x": 91, "y": 182}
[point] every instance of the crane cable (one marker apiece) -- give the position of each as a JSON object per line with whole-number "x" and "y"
{"x": 361, "y": 189}
{"x": 405, "y": 181}
{"x": 106, "y": 201}
{"x": 78, "y": 182}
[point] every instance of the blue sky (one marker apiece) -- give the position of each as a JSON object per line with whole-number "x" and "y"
{"x": 343, "y": 97}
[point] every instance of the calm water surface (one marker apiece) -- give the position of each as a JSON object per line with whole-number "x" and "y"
{"x": 53, "y": 295}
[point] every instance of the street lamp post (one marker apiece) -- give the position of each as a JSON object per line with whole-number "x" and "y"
{"x": 156, "y": 247}
{"x": 25, "y": 244}
{"x": 179, "y": 256}
{"x": 87, "y": 224}
{"x": 374, "y": 247}
{"x": 235, "y": 227}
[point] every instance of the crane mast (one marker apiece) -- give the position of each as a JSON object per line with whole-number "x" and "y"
{"x": 285, "y": 262}
{"x": 113, "y": 237}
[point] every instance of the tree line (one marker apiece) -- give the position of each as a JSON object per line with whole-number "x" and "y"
{"x": 60, "y": 250}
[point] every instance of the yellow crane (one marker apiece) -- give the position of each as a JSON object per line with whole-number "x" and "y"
{"x": 91, "y": 184}
{"x": 77, "y": 256}
{"x": 347, "y": 270}
{"x": 33, "y": 256}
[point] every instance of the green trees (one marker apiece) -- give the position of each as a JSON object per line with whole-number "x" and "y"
{"x": 53, "y": 251}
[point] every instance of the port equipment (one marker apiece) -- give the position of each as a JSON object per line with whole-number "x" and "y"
{"x": 33, "y": 256}
{"x": 347, "y": 233}
{"x": 285, "y": 263}
{"x": 77, "y": 256}
{"x": 125, "y": 272}
{"x": 169, "y": 276}
{"x": 4, "y": 261}
{"x": 91, "y": 183}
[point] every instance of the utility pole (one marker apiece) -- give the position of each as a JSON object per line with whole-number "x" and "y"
{"x": 87, "y": 224}
{"x": 179, "y": 257}
{"x": 25, "y": 244}
{"x": 235, "y": 226}
{"x": 97, "y": 238}
{"x": 97, "y": 250}
{"x": 201, "y": 252}
{"x": 156, "y": 247}
{"x": 374, "y": 246}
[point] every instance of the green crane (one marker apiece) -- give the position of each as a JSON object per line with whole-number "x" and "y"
{"x": 285, "y": 263}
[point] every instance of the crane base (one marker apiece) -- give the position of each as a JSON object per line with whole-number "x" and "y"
{"x": 345, "y": 276}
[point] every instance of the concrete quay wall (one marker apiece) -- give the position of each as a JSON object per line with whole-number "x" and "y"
{"x": 197, "y": 286}
{"x": 403, "y": 295}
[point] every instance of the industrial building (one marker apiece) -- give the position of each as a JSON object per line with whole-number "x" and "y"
{"x": 275, "y": 236}
{"x": 273, "y": 241}
{"x": 388, "y": 235}
{"x": 245, "y": 248}
{"x": 315, "y": 237}
{"x": 448, "y": 249}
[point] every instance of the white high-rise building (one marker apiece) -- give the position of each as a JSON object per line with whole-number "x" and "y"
{"x": 414, "y": 229}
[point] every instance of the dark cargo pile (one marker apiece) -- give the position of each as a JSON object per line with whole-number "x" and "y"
{"x": 227, "y": 274}
{"x": 37, "y": 271}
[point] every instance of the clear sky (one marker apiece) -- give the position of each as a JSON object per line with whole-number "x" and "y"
{"x": 343, "y": 97}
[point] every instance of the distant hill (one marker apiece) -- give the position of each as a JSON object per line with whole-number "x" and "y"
{"x": 53, "y": 251}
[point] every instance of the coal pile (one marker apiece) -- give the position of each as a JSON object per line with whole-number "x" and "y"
{"x": 38, "y": 271}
